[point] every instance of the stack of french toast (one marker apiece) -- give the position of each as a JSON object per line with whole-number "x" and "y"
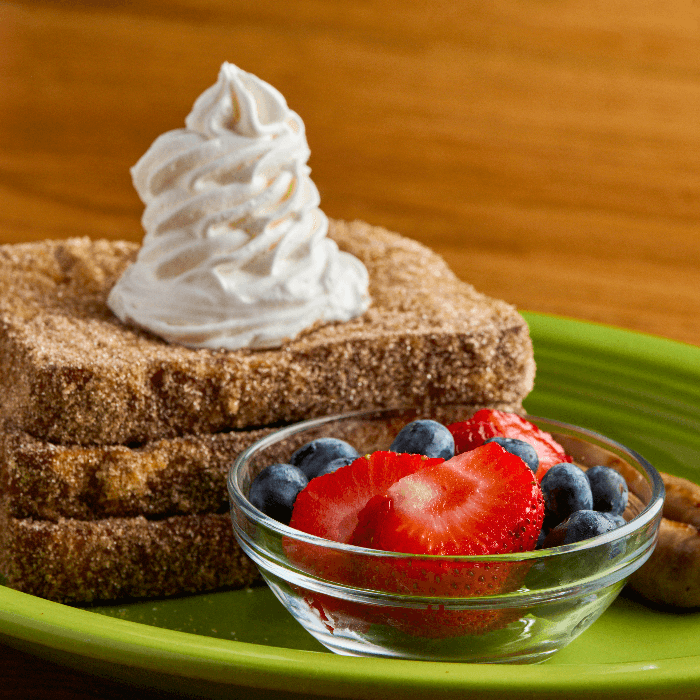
{"x": 115, "y": 445}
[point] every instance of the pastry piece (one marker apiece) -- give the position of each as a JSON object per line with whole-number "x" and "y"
{"x": 73, "y": 373}
{"x": 84, "y": 561}
{"x": 671, "y": 576}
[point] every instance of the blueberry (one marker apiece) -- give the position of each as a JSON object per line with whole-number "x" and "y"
{"x": 565, "y": 489}
{"x": 425, "y": 437}
{"x": 609, "y": 490}
{"x": 315, "y": 455}
{"x": 334, "y": 465}
{"x": 580, "y": 525}
{"x": 519, "y": 448}
{"x": 275, "y": 489}
{"x": 616, "y": 520}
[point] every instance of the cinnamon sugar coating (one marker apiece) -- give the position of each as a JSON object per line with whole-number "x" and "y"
{"x": 176, "y": 476}
{"x": 72, "y": 373}
{"x": 165, "y": 477}
{"x": 86, "y": 561}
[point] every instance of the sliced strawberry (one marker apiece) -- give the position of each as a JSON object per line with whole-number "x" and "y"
{"x": 488, "y": 423}
{"x": 328, "y": 507}
{"x": 485, "y": 501}
{"x": 472, "y": 433}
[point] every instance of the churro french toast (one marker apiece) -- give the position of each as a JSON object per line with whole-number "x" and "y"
{"x": 73, "y": 373}
{"x": 79, "y": 561}
{"x": 113, "y": 437}
{"x": 133, "y": 375}
{"x": 177, "y": 476}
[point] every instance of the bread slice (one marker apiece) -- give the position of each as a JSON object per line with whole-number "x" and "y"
{"x": 76, "y": 561}
{"x": 179, "y": 476}
{"x": 72, "y": 373}
{"x": 166, "y": 477}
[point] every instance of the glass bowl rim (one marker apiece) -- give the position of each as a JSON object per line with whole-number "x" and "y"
{"x": 640, "y": 521}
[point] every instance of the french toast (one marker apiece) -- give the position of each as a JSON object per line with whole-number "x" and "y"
{"x": 78, "y": 561}
{"x": 115, "y": 445}
{"x": 171, "y": 476}
{"x": 177, "y": 476}
{"x": 73, "y": 373}
{"x": 102, "y": 522}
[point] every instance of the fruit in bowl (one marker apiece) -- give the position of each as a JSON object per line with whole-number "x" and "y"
{"x": 434, "y": 543}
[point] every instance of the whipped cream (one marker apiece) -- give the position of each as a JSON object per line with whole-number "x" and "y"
{"x": 235, "y": 252}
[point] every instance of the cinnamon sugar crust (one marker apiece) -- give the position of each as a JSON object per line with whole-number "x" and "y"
{"x": 166, "y": 477}
{"x": 88, "y": 561}
{"x": 73, "y": 373}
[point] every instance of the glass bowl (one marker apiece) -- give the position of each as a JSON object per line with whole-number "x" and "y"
{"x": 364, "y": 602}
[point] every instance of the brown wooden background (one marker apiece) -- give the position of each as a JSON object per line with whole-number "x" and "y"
{"x": 549, "y": 150}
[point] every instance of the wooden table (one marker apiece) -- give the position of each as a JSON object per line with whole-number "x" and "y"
{"x": 549, "y": 151}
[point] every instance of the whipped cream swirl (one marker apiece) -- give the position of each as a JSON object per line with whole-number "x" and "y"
{"x": 235, "y": 252}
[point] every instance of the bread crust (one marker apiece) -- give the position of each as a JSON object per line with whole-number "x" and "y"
{"x": 74, "y": 374}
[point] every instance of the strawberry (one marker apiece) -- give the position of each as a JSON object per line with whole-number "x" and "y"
{"x": 485, "y": 501}
{"x": 474, "y": 432}
{"x": 488, "y": 423}
{"x": 328, "y": 507}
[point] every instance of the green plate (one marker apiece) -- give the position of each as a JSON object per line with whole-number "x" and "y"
{"x": 640, "y": 390}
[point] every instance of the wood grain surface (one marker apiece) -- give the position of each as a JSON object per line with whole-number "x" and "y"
{"x": 550, "y": 151}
